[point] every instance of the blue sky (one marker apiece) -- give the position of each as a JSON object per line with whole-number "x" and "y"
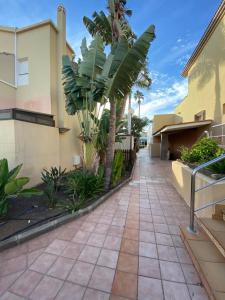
{"x": 179, "y": 26}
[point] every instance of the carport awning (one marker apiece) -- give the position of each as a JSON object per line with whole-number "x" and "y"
{"x": 182, "y": 126}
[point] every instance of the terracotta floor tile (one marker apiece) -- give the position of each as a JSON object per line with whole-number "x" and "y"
{"x": 149, "y": 288}
{"x": 130, "y": 246}
{"x": 11, "y": 296}
{"x": 91, "y": 294}
{"x": 128, "y": 263}
{"x": 108, "y": 258}
{"x": 125, "y": 285}
{"x": 13, "y": 265}
{"x": 167, "y": 253}
{"x": 70, "y": 291}
{"x": 146, "y": 226}
{"x": 197, "y": 292}
{"x": 147, "y": 236}
{"x": 102, "y": 279}
{"x": 7, "y": 281}
{"x": 183, "y": 256}
{"x": 171, "y": 271}
{"x": 161, "y": 228}
{"x": 131, "y": 234}
{"x": 81, "y": 237}
{"x": 177, "y": 241}
{"x": 190, "y": 274}
{"x": 101, "y": 228}
{"x": 132, "y": 224}
{"x": 148, "y": 250}
{"x": 25, "y": 284}
{"x": 81, "y": 273}
{"x": 175, "y": 291}
{"x": 114, "y": 297}
{"x": 47, "y": 289}
{"x": 112, "y": 242}
{"x": 43, "y": 263}
{"x": 90, "y": 254}
{"x": 56, "y": 247}
{"x": 149, "y": 267}
{"x": 61, "y": 267}
{"x": 73, "y": 250}
{"x": 115, "y": 230}
{"x": 96, "y": 240}
{"x": 88, "y": 226}
{"x": 163, "y": 239}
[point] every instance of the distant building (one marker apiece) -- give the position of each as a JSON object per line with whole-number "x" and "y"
{"x": 204, "y": 107}
{"x": 34, "y": 128}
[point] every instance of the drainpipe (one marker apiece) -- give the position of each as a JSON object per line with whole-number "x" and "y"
{"x": 15, "y": 57}
{"x": 61, "y": 50}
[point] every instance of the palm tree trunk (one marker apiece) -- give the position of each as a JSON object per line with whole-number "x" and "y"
{"x": 122, "y": 108}
{"x": 111, "y": 145}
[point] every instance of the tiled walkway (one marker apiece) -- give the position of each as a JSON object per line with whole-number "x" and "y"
{"x": 128, "y": 248}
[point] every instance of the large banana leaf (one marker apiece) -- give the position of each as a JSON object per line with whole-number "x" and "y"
{"x": 93, "y": 59}
{"x": 130, "y": 67}
{"x": 4, "y": 170}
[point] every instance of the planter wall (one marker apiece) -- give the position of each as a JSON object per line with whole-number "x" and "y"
{"x": 181, "y": 179}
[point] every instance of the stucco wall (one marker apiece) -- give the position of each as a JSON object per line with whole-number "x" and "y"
{"x": 206, "y": 80}
{"x": 35, "y": 45}
{"x": 155, "y": 149}
{"x": 162, "y": 120}
{"x": 181, "y": 179}
{"x": 7, "y": 41}
{"x": 7, "y": 96}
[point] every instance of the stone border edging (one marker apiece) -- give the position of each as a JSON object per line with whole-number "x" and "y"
{"x": 29, "y": 234}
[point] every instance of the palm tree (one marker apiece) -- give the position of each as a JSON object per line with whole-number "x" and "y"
{"x": 139, "y": 96}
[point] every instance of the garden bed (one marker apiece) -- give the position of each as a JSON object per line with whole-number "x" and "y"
{"x": 30, "y": 213}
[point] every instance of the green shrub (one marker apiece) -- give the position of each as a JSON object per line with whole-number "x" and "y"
{"x": 204, "y": 150}
{"x": 117, "y": 167}
{"x": 53, "y": 180}
{"x": 82, "y": 185}
{"x": 12, "y": 187}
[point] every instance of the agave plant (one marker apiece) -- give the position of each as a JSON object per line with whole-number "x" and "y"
{"x": 12, "y": 187}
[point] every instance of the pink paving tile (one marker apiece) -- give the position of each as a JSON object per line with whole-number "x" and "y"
{"x": 171, "y": 271}
{"x": 11, "y": 296}
{"x": 73, "y": 250}
{"x": 88, "y": 226}
{"x": 149, "y": 289}
{"x": 43, "y": 263}
{"x": 32, "y": 256}
{"x": 177, "y": 241}
{"x": 148, "y": 250}
{"x": 190, "y": 274}
{"x": 70, "y": 291}
{"x": 167, "y": 253}
{"x": 163, "y": 239}
{"x": 90, "y": 254}
{"x": 7, "y": 281}
{"x": 13, "y": 252}
{"x": 146, "y": 226}
{"x": 159, "y": 219}
{"x": 183, "y": 256}
{"x": 61, "y": 268}
{"x": 116, "y": 230}
{"x": 26, "y": 283}
{"x": 81, "y": 237}
{"x": 175, "y": 291}
{"x": 112, "y": 242}
{"x": 108, "y": 258}
{"x": 102, "y": 279}
{"x": 161, "y": 228}
{"x": 91, "y": 294}
{"x": 13, "y": 265}
{"x": 174, "y": 229}
{"x": 96, "y": 240}
{"x": 101, "y": 228}
{"x": 66, "y": 233}
{"x": 81, "y": 273}
{"x": 56, "y": 247}
{"x": 47, "y": 289}
{"x": 149, "y": 267}
{"x": 147, "y": 236}
{"x": 197, "y": 292}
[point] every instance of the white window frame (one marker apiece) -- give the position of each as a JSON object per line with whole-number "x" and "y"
{"x": 23, "y": 71}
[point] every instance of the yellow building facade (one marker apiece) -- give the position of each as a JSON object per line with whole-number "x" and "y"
{"x": 34, "y": 127}
{"x": 204, "y": 105}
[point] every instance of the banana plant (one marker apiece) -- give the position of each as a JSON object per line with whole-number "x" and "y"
{"x": 85, "y": 94}
{"x": 12, "y": 187}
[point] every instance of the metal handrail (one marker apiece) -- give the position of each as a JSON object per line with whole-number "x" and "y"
{"x": 193, "y": 190}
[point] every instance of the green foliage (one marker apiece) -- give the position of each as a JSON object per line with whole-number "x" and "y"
{"x": 82, "y": 185}
{"x": 117, "y": 167}
{"x": 53, "y": 180}
{"x": 138, "y": 124}
{"x": 204, "y": 150}
{"x": 12, "y": 187}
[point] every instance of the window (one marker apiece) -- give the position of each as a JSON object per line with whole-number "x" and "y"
{"x": 200, "y": 116}
{"x": 22, "y": 72}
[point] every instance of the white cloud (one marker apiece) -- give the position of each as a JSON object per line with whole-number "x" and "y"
{"x": 162, "y": 100}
